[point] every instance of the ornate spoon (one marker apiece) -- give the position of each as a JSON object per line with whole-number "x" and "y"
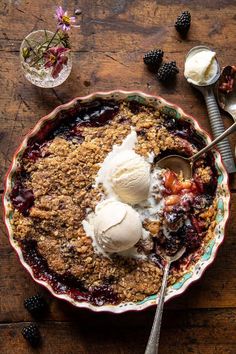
{"x": 153, "y": 341}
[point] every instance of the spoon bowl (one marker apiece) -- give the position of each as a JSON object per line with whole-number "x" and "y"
{"x": 182, "y": 164}
{"x": 177, "y": 164}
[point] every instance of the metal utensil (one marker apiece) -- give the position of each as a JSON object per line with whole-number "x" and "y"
{"x": 216, "y": 122}
{"x": 179, "y": 163}
{"x": 226, "y": 90}
{"x": 153, "y": 341}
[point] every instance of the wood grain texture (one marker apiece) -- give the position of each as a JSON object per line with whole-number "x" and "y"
{"x": 190, "y": 332}
{"x": 108, "y": 52}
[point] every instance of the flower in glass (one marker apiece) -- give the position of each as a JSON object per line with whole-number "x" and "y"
{"x": 64, "y": 21}
{"x": 55, "y": 58}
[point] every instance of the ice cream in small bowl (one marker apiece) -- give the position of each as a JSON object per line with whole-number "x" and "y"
{"x": 201, "y": 66}
{"x": 90, "y": 214}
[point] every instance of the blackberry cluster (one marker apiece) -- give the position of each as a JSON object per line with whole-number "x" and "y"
{"x": 31, "y": 334}
{"x": 167, "y": 71}
{"x": 153, "y": 58}
{"x": 183, "y": 23}
{"x": 36, "y": 304}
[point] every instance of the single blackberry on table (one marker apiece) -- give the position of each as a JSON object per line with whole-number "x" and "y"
{"x": 167, "y": 71}
{"x": 183, "y": 22}
{"x": 31, "y": 334}
{"x": 153, "y": 58}
{"x": 36, "y": 304}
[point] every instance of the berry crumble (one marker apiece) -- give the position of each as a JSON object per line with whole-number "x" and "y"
{"x": 54, "y": 190}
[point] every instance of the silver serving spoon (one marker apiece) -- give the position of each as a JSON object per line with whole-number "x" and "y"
{"x": 226, "y": 90}
{"x": 154, "y": 338}
{"x": 179, "y": 163}
{"x": 216, "y": 122}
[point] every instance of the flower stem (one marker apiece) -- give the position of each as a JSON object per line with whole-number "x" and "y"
{"x": 52, "y": 39}
{"x": 46, "y": 35}
{"x": 42, "y": 44}
{"x": 30, "y": 47}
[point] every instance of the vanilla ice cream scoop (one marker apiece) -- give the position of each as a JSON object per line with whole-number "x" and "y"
{"x": 201, "y": 67}
{"x": 117, "y": 226}
{"x": 125, "y": 174}
{"x": 130, "y": 177}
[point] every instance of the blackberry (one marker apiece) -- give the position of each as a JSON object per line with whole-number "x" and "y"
{"x": 153, "y": 58}
{"x": 172, "y": 244}
{"x": 192, "y": 239}
{"x": 31, "y": 334}
{"x": 167, "y": 71}
{"x": 36, "y": 304}
{"x": 202, "y": 201}
{"x": 183, "y": 22}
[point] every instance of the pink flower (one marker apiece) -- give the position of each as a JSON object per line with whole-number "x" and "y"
{"x": 56, "y": 58}
{"x": 64, "y": 21}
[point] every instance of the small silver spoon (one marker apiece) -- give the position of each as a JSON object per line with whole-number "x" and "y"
{"x": 216, "y": 122}
{"x": 226, "y": 90}
{"x": 179, "y": 163}
{"x": 154, "y": 338}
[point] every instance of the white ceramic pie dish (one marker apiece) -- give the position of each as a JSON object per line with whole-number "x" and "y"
{"x": 193, "y": 272}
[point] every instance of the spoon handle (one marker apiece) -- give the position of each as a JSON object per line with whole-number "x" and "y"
{"x": 153, "y": 341}
{"x": 218, "y": 128}
{"x": 230, "y": 130}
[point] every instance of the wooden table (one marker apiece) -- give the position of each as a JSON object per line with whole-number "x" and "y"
{"x": 108, "y": 51}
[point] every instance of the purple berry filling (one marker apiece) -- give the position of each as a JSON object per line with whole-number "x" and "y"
{"x": 22, "y": 198}
{"x": 67, "y": 283}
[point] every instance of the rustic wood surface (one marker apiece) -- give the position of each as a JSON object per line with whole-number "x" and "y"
{"x": 108, "y": 51}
